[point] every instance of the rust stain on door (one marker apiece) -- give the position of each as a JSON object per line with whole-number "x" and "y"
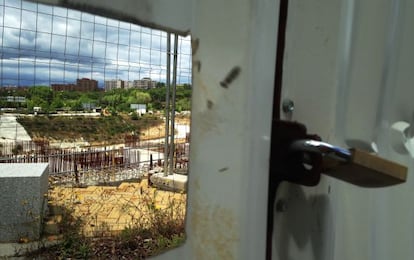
{"x": 215, "y": 230}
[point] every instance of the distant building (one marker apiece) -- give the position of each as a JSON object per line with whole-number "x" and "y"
{"x": 144, "y": 83}
{"x": 83, "y": 85}
{"x": 36, "y": 110}
{"x": 14, "y": 99}
{"x": 88, "y": 106}
{"x": 129, "y": 84}
{"x": 114, "y": 84}
{"x": 10, "y": 89}
{"x": 65, "y": 87}
{"x": 87, "y": 84}
{"x": 141, "y": 109}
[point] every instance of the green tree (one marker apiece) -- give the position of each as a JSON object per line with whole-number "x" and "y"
{"x": 57, "y": 103}
{"x": 85, "y": 100}
{"x": 37, "y": 101}
{"x": 142, "y": 98}
{"x": 42, "y": 92}
{"x": 111, "y": 99}
{"x": 183, "y": 104}
{"x": 75, "y": 105}
{"x": 157, "y": 97}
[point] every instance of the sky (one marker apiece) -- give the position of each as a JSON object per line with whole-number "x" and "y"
{"x": 43, "y": 45}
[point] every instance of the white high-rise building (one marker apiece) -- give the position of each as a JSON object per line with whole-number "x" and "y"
{"x": 144, "y": 83}
{"x": 113, "y": 84}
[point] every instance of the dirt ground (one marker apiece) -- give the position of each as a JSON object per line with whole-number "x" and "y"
{"x": 158, "y": 131}
{"x": 106, "y": 210}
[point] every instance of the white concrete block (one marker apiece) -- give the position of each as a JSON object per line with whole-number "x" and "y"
{"x": 23, "y": 201}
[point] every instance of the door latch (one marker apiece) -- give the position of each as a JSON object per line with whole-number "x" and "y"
{"x": 300, "y": 158}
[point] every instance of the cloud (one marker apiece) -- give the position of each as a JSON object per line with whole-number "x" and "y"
{"x": 42, "y": 44}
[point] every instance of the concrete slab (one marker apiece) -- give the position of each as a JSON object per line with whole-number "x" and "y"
{"x": 16, "y": 250}
{"x": 173, "y": 182}
{"x": 10, "y": 129}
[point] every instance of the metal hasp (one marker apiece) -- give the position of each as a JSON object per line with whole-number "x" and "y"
{"x": 287, "y": 164}
{"x": 292, "y": 158}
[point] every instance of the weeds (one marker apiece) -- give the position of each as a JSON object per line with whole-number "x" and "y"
{"x": 145, "y": 222}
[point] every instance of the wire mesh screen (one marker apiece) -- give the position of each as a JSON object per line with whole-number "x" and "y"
{"x": 44, "y": 45}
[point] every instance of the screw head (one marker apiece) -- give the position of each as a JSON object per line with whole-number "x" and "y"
{"x": 288, "y": 106}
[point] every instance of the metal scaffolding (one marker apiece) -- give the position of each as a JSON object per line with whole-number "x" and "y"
{"x": 170, "y": 107}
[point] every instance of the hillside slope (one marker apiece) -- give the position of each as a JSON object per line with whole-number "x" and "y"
{"x": 107, "y": 129}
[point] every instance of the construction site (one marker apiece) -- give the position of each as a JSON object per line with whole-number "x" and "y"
{"x": 107, "y": 189}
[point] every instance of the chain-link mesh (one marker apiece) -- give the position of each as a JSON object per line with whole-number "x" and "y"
{"x": 44, "y": 45}
{"x": 110, "y": 190}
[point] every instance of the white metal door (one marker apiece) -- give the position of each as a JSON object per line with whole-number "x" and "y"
{"x": 349, "y": 68}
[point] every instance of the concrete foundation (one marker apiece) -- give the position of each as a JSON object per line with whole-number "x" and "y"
{"x": 173, "y": 182}
{"x": 23, "y": 201}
